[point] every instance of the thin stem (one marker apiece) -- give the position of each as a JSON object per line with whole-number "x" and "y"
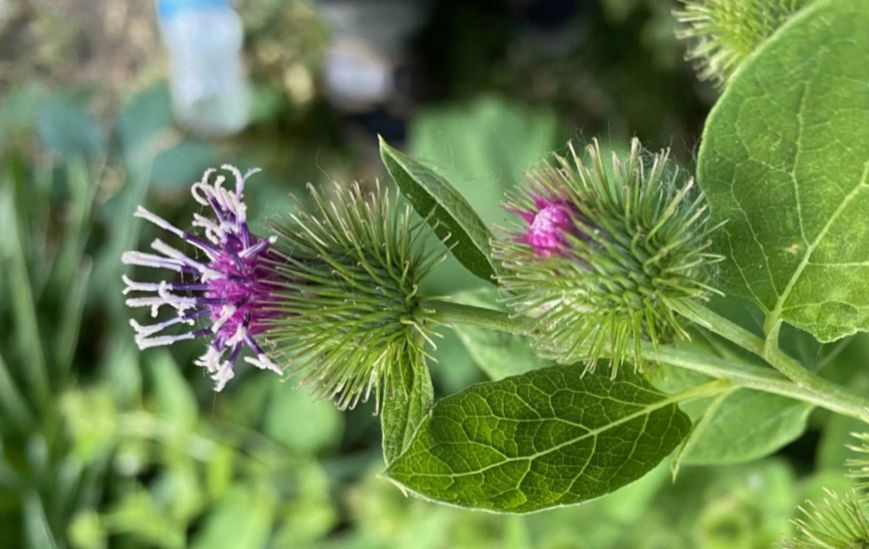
{"x": 753, "y": 377}
{"x": 705, "y": 390}
{"x": 737, "y": 372}
{"x": 717, "y": 324}
{"x": 447, "y": 312}
{"x": 769, "y": 350}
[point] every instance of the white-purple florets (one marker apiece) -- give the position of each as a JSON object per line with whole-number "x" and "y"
{"x": 229, "y": 291}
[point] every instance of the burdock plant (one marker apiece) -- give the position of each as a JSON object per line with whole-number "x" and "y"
{"x": 345, "y": 315}
{"x": 723, "y": 33}
{"x": 601, "y": 250}
{"x": 331, "y": 295}
{"x": 610, "y": 257}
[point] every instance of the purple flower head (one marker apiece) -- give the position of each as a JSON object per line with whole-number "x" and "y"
{"x": 549, "y": 224}
{"x": 230, "y": 288}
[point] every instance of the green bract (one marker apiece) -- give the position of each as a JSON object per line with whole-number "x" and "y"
{"x": 347, "y": 323}
{"x": 635, "y": 243}
{"x": 723, "y": 33}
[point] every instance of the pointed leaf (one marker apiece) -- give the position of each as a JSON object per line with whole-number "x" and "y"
{"x": 449, "y": 213}
{"x": 546, "y": 438}
{"x": 404, "y": 409}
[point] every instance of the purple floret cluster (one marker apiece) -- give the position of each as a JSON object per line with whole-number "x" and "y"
{"x": 229, "y": 291}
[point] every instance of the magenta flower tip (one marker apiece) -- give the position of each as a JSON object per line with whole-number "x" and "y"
{"x": 230, "y": 288}
{"x": 548, "y": 226}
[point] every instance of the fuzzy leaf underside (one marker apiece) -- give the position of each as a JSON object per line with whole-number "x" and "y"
{"x": 452, "y": 217}
{"x": 785, "y": 162}
{"x": 542, "y": 439}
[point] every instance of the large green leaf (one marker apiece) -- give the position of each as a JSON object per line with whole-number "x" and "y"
{"x": 452, "y": 218}
{"x": 67, "y": 128}
{"x": 405, "y": 406}
{"x": 542, "y": 439}
{"x": 785, "y": 161}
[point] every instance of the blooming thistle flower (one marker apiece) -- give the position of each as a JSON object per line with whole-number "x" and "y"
{"x": 598, "y": 254}
{"x": 230, "y": 290}
{"x": 347, "y": 320}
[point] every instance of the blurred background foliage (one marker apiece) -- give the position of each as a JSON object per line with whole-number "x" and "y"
{"x": 103, "y": 446}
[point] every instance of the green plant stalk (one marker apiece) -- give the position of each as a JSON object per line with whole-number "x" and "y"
{"x": 769, "y": 350}
{"x": 819, "y": 393}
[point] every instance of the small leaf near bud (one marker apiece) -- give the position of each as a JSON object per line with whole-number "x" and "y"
{"x": 599, "y": 253}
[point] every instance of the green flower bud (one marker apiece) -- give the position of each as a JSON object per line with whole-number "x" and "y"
{"x": 599, "y": 254}
{"x": 347, "y": 320}
{"x": 838, "y": 520}
{"x": 722, "y": 33}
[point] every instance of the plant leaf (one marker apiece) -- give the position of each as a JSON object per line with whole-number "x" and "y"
{"x": 542, "y": 439}
{"x": 484, "y": 146}
{"x": 453, "y": 219}
{"x": 740, "y": 426}
{"x": 405, "y": 407}
{"x": 785, "y": 161}
{"x": 748, "y": 425}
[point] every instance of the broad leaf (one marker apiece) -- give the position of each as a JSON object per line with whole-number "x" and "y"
{"x": 498, "y": 354}
{"x": 67, "y": 128}
{"x": 785, "y": 162}
{"x": 452, "y": 218}
{"x": 746, "y": 426}
{"x": 405, "y": 407}
{"x": 546, "y": 438}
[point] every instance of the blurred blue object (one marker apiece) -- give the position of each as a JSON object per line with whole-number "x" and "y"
{"x": 204, "y": 38}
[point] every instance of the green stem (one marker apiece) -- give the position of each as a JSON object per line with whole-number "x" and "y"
{"x": 738, "y": 373}
{"x": 447, "y": 312}
{"x": 769, "y": 350}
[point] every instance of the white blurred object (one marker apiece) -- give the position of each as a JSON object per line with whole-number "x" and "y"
{"x": 355, "y": 76}
{"x": 368, "y": 40}
{"x": 209, "y": 89}
{"x": 7, "y": 10}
